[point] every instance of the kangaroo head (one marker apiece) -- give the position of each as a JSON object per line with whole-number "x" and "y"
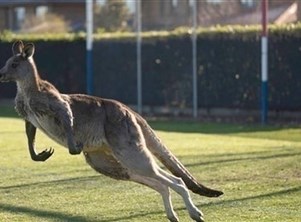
{"x": 20, "y": 66}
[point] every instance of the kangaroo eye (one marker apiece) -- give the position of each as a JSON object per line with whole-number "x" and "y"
{"x": 14, "y": 65}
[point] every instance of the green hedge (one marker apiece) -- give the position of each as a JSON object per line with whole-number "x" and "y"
{"x": 215, "y": 32}
{"x": 229, "y": 64}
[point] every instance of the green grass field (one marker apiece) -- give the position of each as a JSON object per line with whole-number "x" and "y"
{"x": 258, "y": 168}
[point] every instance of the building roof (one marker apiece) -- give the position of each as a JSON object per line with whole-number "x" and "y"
{"x": 281, "y": 14}
{"x": 37, "y": 2}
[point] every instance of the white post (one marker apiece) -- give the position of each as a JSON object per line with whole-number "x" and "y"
{"x": 264, "y": 63}
{"x": 194, "y": 60}
{"x": 139, "y": 72}
{"x": 89, "y": 46}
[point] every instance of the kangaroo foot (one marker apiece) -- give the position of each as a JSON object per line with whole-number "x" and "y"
{"x": 173, "y": 219}
{"x": 197, "y": 215}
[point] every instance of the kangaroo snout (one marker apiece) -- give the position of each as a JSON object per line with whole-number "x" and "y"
{"x": 2, "y": 77}
{"x": 2, "y": 74}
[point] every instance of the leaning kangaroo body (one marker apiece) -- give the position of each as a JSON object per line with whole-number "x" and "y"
{"x": 115, "y": 140}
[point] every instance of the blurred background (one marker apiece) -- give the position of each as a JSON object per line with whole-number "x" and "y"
{"x": 119, "y": 15}
{"x": 228, "y": 53}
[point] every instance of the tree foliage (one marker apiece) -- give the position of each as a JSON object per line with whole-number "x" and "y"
{"x": 112, "y": 16}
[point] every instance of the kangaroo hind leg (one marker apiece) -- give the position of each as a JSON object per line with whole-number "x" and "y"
{"x": 179, "y": 186}
{"x": 128, "y": 146}
{"x": 141, "y": 164}
{"x": 160, "y": 188}
{"x": 160, "y": 180}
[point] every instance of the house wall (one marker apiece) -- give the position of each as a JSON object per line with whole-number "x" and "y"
{"x": 210, "y": 14}
{"x": 74, "y": 13}
{"x": 2, "y": 19}
{"x": 299, "y": 10}
{"x": 159, "y": 14}
{"x": 6, "y": 18}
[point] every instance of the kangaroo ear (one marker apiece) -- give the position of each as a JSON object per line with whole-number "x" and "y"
{"x": 17, "y": 47}
{"x": 28, "y": 50}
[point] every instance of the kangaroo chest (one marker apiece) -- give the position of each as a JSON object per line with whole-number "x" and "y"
{"x": 50, "y": 125}
{"x": 23, "y": 109}
{"x": 88, "y": 132}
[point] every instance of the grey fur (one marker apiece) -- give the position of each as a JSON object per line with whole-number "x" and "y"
{"x": 115, "y": 140}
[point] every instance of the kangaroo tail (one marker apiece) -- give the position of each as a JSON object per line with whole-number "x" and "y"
{"x": 172, "y": 163}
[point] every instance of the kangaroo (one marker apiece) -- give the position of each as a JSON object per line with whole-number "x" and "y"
{"x": 115, "y": 140}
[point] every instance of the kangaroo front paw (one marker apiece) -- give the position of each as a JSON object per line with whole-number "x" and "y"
{"x": 76, "y": 149}
{"x": 44, "y": 155}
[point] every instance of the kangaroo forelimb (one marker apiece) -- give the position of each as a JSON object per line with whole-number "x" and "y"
{"x": 31, "y": 134}
{"x": 63, "y": 111}
{"x": 73, "y": 147}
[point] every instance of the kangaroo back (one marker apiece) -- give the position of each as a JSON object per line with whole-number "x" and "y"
{"x": 171, "y": 162}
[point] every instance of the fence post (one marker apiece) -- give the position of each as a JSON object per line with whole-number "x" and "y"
{"x": 194, "y": 60}
{"x": 264, "y": 63}
{"x": 138, "y": 41}
{"x": 89, "y": 46}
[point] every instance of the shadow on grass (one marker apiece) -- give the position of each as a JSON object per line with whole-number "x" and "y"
{"x": 222, "y": 202}
{"x": 56, "y": 215}
{"x": 60, "y": 216}
{"x": 43, "y": 214}
{"x": 52, "y": 182}
{"x": 260, "y": 196}
{"x": 212, "y": 128}
{"x": 242, "y": 157}
{"x": 233, "y": 158}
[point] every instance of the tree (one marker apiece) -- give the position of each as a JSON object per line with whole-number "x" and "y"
{"x": 112, "y": 16}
